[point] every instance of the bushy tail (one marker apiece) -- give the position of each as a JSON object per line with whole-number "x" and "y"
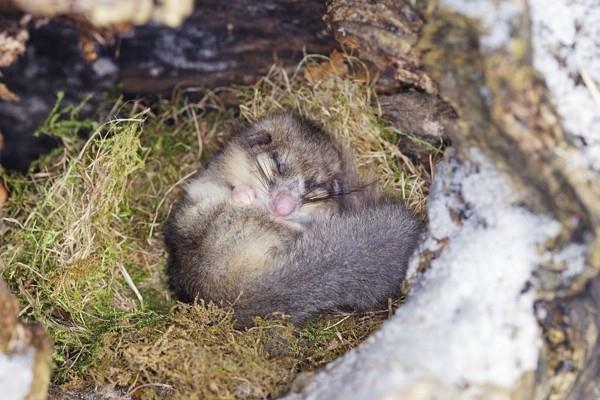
{"x": 351, "y": 262}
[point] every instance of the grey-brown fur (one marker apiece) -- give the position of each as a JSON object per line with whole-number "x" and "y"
{"x": 232, "y": 238}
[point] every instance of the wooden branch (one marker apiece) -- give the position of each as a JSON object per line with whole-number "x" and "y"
{"x": 421, "y": 115}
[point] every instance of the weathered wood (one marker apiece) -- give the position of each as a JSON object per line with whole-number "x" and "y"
{"x": 570, "y": 362}
{"x": 519, "y": 130}
{"x": 384, "y": 33}
{"x": 222, "y": 43}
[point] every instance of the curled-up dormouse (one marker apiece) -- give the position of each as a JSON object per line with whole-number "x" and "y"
{"x": 278, "y": 222}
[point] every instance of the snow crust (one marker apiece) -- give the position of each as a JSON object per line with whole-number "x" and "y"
{"x": 566, "y": 50}
{"x": 469, "y": 320}
{"x": 16, "y": 374}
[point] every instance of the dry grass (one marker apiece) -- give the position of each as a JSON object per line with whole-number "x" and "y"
{"x": 82, "y": 249}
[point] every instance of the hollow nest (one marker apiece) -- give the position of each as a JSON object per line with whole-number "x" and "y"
{"x": 82, "y": 244}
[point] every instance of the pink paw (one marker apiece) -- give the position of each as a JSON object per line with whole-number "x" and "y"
{"x": 243, "y": 195}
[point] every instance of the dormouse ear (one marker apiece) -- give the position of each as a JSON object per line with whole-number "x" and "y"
{"x": 258, "y": 138}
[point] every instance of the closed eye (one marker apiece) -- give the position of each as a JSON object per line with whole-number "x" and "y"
{"x": 279, "y": 165}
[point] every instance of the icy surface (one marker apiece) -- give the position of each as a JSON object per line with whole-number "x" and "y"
{"x": 16, "y": 373}
{"x": 566, "y": 50}
{"x": 469, "y": 320}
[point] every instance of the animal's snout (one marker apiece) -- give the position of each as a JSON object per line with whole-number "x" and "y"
{"x": 282, "y": 203}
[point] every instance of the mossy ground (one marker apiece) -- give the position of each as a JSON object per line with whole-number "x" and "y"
{"x": 82, "y": 246}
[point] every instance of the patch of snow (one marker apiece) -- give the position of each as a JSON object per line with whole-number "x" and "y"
{"x": 566, "y": 50}
{"x": 16, "y": 374}
{"x": 497, "y": 18}
{"x": 469, "y": 320}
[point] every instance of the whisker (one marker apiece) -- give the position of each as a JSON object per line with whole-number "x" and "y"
{"x": 268, "y": 170}
{"x": 262, "y": 176}
{"x": 315, "y": 199}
